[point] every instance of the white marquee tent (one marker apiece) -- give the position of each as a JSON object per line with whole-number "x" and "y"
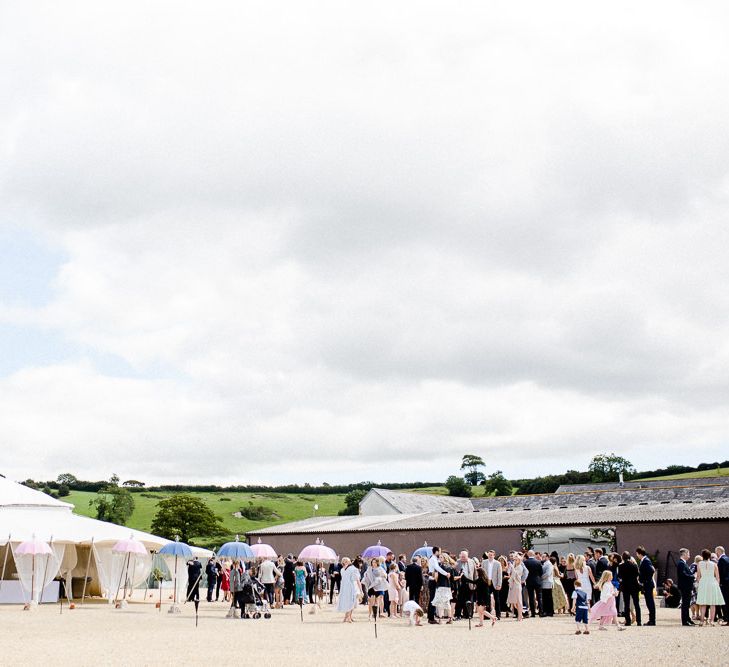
{"x": 78, "y": 544}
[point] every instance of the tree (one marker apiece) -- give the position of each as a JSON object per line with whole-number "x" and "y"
{"x": 63, "y": 490}
{"x": 133, "y": 483}
{"x": 113, "y": 503}
{"x": 186, "y": 516}
{"x": 457, "y": 486}
{"x": 352, "y": 501}
{"x": 607, "y": 468}
{"x": 68, "y": 479}
{"x": 472, "y": 463}
{"x": 497, "y": 485}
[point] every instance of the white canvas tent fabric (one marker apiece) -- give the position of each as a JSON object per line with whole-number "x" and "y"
{"x": 27, "y": 514}
{"x": 115, "y": 576}
{"x": 36, "y": 572}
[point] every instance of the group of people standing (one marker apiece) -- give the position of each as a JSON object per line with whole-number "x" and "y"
{"x": 593, "y": 587}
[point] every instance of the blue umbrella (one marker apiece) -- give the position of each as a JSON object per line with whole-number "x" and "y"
{"x": 176, "y": 549}
{"x": 236, "y": 550}
{"x": 424, "y": 552}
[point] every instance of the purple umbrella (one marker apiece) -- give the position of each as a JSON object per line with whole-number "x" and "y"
{"x": 376, "y": 551}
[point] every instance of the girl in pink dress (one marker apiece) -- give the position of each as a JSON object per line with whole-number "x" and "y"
{"x": 605, "y": 609}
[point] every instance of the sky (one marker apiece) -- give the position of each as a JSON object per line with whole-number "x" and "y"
{"x": 247, "y": 242}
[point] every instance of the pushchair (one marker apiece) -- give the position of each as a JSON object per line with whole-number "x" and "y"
{"x": 254, "y": 599}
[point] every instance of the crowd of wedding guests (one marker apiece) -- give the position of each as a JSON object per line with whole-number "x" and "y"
{"x": 592, "y": 587}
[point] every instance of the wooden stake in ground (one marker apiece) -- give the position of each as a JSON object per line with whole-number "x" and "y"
{"x": 86, "y": 576}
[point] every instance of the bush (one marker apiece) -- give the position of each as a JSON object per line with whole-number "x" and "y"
{"x": 457, "y": 486}
{"x": 258, "y": 512}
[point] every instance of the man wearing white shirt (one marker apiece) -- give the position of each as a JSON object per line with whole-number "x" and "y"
{"x": 267, "y": 573}
{"x": 433, "y": 567}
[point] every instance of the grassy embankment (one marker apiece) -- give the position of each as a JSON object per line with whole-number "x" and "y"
{"x": 714, "y": 472}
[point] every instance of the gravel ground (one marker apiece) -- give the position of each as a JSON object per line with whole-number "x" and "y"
{"x": 96, "y": 634}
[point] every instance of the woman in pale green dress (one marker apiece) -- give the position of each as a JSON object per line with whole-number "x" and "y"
{"x": 708, "y": 593}
{"x": 559, "y": 599}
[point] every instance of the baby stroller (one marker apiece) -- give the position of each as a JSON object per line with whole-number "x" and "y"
{"x": 254, "y": 598}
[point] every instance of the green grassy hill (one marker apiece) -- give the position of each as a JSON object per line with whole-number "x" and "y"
{"x": 285, "y": 507}
{"x": 692, "y": 475}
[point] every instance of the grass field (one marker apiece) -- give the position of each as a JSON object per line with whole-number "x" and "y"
{"x": 692, "y": 475}
{"x": 286, "y": 507}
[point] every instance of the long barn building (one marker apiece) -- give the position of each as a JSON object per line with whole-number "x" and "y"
{"x": 661, "y": 515}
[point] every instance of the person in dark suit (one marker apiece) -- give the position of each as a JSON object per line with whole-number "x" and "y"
{"x": 645, "y": 576}
{"x": 671, "y": 594}
{"x": 212, "y": 575}
{"x": 723, "y": 564}
{"x": 335, "y": 579}
{"x": 289, "y": 578}
{"x": 414, "y": 579}
{"x": 194, "y": 573}
{"x": 601, "y": 564}
{"x": 629, "y": 587}
{"x": 685, "y": 586}
{"x": 534, "y": 583}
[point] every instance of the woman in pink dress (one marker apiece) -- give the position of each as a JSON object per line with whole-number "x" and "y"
{"x": 393, "y": 589}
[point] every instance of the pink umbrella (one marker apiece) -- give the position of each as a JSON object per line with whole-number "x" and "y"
{"x": 264, "y": 551}
{"x": 318, "y": 552}
{"x": 128, "y": 547}
{"x": 34, "y": 548}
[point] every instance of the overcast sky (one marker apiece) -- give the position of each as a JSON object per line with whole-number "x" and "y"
{"x": 288, "y": 242}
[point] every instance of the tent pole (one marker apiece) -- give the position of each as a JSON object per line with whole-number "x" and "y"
{"x": 45, "y": 573}
{"x": 118, "y": 586}
{"x": 146, "y": 581}
{"x": 174, "y": 583}
{"x": 134, "y": 572}
{"x": 86, "y": 576}
{"x": 32, "y": 579}
{"x": 5, "y": 561}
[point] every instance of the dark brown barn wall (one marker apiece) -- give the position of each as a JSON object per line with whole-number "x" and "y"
{"x": 668, "y": 538}
{"x": 352, "y": 544}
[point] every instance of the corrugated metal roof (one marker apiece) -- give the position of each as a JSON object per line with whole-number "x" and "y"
{"x": 415, "y": 503}
{"x": 645, "y": 484}
{"x": 610, "y": 497}
{"x": 524, "y": 518}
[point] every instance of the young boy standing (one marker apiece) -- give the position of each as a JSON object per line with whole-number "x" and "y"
{"x": 582, "y": 608}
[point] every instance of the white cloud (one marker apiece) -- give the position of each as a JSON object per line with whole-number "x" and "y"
{"x": 329, "y": 240}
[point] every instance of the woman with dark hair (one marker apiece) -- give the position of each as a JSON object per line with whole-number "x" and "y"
{"x": 483, "y": 597}
{"x": 504, "y": 592}
{"x": 375, "y": 583}
{"x": 629, "y": 587}
{"x": 708, "y": 592}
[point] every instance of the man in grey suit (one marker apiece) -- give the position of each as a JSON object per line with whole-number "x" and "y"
{"x": 466, "y": 577}
{"x": 494, "y": 578}
{"x": 547, "y": 608}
